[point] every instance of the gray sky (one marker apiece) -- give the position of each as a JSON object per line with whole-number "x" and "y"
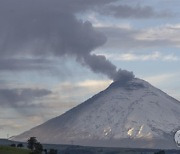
{"x": 57, "y": 53}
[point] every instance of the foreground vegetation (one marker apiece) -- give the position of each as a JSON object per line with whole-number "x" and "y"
{"x": 34, "y": 147}
{"x": 77, "y": 150}
{"x": 13, "y": 150}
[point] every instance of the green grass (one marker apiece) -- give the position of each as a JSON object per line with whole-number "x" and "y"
{"x": 12, "y": 150}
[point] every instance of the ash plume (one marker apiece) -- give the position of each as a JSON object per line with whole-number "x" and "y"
{"x": 99, "y": 64}
{"x": 51, "y": 28}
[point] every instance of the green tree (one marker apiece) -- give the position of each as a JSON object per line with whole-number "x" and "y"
{"x": 31, "y": 143}
{"x": 20, "y": 145}
{"x": 38, "y": 148}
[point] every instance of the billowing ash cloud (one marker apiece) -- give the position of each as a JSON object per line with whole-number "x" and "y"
{"x": 123, "y": 76}
{"x": 45, "y": 28}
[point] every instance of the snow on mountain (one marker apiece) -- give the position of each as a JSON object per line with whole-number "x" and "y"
{"x": 134, "y": 114}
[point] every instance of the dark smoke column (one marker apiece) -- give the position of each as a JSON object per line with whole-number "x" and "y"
{"x": 55, "y": 32}
{"x": 99, "y": 64}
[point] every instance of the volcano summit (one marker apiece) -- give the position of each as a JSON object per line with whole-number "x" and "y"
{"x": 134, "y": 114}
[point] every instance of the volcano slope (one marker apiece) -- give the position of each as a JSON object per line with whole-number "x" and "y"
{"x": 133, "y": 114}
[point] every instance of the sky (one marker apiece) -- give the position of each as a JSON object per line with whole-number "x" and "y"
{"x": 55, "y": 54}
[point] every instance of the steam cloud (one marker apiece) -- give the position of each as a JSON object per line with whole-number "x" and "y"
{"x": 44, "y": 28}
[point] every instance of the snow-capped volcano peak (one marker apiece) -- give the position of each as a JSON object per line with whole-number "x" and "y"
{"x": 133, "y": 114}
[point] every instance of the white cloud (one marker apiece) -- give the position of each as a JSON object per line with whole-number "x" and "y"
{"x": 102, "y": 23}
{"x": 97, "y": 84}
{"x": 133, "y": 38}
{"x": 159, "y": 79}
{"x": 135, "y": 57}
{"x": 79, "y": 91}
{"x": 143, "y": 57}
{"x": 165, "y": 32}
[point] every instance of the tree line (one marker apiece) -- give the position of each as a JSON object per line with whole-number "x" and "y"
{"x": 35, "y": 147}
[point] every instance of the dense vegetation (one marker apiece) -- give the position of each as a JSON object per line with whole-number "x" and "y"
{"x": 37, "y": 148}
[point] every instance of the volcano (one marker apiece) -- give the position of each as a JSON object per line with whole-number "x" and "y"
{"x": 133, "y": 114}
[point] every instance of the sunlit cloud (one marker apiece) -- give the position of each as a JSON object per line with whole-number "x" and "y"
{"x": 154, "y": 56}
{"x": 99, "y": 23}
{"x": 167, "y": 32}
{"x": 160, "y": 79}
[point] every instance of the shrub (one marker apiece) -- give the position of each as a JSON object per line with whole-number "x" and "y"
{"x": 20, "y": 145}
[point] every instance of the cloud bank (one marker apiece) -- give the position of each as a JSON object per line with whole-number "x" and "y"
{"x": 21, "y": 97}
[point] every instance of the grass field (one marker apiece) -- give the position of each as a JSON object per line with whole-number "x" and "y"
{"x": 12, "y": 150}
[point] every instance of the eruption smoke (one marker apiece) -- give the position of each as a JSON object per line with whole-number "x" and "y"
{"x": 99, "y": 64}
{"x": 42, "y": 28}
